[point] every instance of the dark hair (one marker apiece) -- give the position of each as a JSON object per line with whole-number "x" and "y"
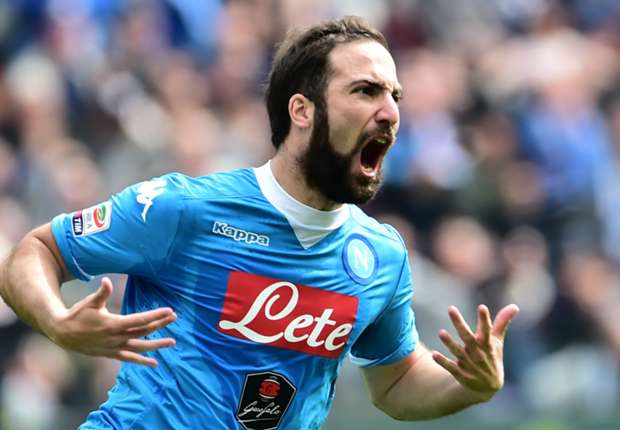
{"x": 300, "y": 65}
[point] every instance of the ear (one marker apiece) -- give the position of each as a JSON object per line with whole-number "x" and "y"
{"x": 301, "y": 111}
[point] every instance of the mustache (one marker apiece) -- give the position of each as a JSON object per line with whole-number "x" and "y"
{"x": 385, "y": 131}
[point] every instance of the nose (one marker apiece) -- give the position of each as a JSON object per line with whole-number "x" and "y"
{"x": 388, "y": 112}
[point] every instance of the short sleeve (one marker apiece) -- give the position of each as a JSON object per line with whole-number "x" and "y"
{"x": 131, "y": 233}
{"x": 393, "y": 335}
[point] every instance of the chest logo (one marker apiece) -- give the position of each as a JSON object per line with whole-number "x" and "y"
{"x": 264, "y": 400}
{"x": 360, "y": 259}
{"x": 240, "y": 235}
{"x": 285, "y": 315}
{"x": 148, "y": 191}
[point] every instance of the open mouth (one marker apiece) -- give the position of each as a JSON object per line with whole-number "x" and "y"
{"x": 373, "y": 152}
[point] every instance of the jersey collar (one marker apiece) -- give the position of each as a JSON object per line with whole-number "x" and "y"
{"x": 310, "y": 225}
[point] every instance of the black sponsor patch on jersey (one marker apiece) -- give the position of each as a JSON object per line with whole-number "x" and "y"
{"x": 77, "y": 223}
{"x": 264, "y": 400}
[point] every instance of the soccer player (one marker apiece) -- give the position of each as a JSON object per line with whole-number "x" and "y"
{"x": 247, "y": 289}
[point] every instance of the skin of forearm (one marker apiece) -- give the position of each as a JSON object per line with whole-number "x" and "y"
{"x": 426, "y": 391}
{"x": 30, "y": 281}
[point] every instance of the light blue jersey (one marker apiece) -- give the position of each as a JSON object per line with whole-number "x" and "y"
{"x": 271, "y": 295}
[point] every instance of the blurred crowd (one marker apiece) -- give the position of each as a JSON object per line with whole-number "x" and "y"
{"x": 505, "y": 181}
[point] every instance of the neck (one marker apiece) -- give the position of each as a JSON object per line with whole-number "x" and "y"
{"x": 289, "y": 174}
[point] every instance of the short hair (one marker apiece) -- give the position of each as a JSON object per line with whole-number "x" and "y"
{"x": 300, "y": 65}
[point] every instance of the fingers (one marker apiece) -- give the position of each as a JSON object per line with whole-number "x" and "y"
{"x": 467, "y": 358}
{"x": 484, "y": 326}
{"x": 502, "y": 321}
{"x": 146, "y": 322}
{"x": 478, "y": 362}
{"x": 455, "y": 370}
{"x": 461, "y": 326}
{"x": 446, "y": 363}
{"x": 141, "y": 345}
{"x": 99, "y": 298}
{"x": 151, "y": 326}
{"x": 133, "y": 357}
{"x": 132, "y": 348}
{"x": 451, "y": 344}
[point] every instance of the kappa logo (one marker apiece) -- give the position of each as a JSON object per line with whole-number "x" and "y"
{"x": 240, "y": 235}
{"x": 148, "y": 191}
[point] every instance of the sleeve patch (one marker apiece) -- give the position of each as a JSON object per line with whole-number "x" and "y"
{"x": 92, "y": 220}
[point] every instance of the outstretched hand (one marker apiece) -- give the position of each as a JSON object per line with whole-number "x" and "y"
{"x": 479, "y": 364}
{"x": 88, "y": 327}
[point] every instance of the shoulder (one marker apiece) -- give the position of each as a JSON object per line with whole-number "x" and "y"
{"x": 378, "y": 230}
{"x": 232, "y": 183}
{"x": 217, "y": 185}
{"x": 384, "y": 235}
{"x": 164, "y": 198}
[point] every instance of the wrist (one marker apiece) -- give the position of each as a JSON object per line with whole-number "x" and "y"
{"x": 476, "y": 396}
{"x": 51, "y": 326}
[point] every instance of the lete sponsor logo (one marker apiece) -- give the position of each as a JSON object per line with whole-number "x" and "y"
{"x": 281, "y": 314}
{"x": 92, "y": 220}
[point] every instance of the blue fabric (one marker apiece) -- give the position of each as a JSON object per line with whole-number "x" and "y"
{"x": 176, "y": 256}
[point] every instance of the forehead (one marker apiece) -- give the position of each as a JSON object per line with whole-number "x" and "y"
{"x": 362, "y": 60}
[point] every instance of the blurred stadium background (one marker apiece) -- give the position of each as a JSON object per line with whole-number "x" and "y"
{"x": 505, "y": 181}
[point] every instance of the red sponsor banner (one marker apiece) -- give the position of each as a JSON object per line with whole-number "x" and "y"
{"x": 286, "y": 315}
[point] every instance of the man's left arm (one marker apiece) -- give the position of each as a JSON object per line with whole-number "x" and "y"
{"x": 426, "y": 385}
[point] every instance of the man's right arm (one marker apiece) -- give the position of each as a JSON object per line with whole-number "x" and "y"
{"x": 30, "y": 280}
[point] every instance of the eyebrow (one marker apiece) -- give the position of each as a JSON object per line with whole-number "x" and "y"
{"x": 398, "y": 90}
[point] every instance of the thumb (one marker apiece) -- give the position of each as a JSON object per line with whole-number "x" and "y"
{"x": 99, "y": 298}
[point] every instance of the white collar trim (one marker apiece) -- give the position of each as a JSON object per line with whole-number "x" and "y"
{"x": 310, "y": 225}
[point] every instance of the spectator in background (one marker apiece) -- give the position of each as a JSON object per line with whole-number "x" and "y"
{"x": 527, "y": 280}
{"x": 607, "y": 197}
{"x": 501, "y": 191}
{"x": 565, "y": 135}
{"x": 428, "y": 163}
{"x": 143, "y": 87}
{"x": 33, "y": 386}
{"x": 584, "y": 345}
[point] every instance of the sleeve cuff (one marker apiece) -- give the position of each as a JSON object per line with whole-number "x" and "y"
{"x": 401, "y": 352}
{"x": 60, "y": 235}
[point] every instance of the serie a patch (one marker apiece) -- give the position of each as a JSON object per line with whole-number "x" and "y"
{"x": 92, "y": 220}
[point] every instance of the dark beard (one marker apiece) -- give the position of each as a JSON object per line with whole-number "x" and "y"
{"x": 329, "y": 172}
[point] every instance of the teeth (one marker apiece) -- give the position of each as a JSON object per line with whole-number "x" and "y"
{"x": 381, "y": 141}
